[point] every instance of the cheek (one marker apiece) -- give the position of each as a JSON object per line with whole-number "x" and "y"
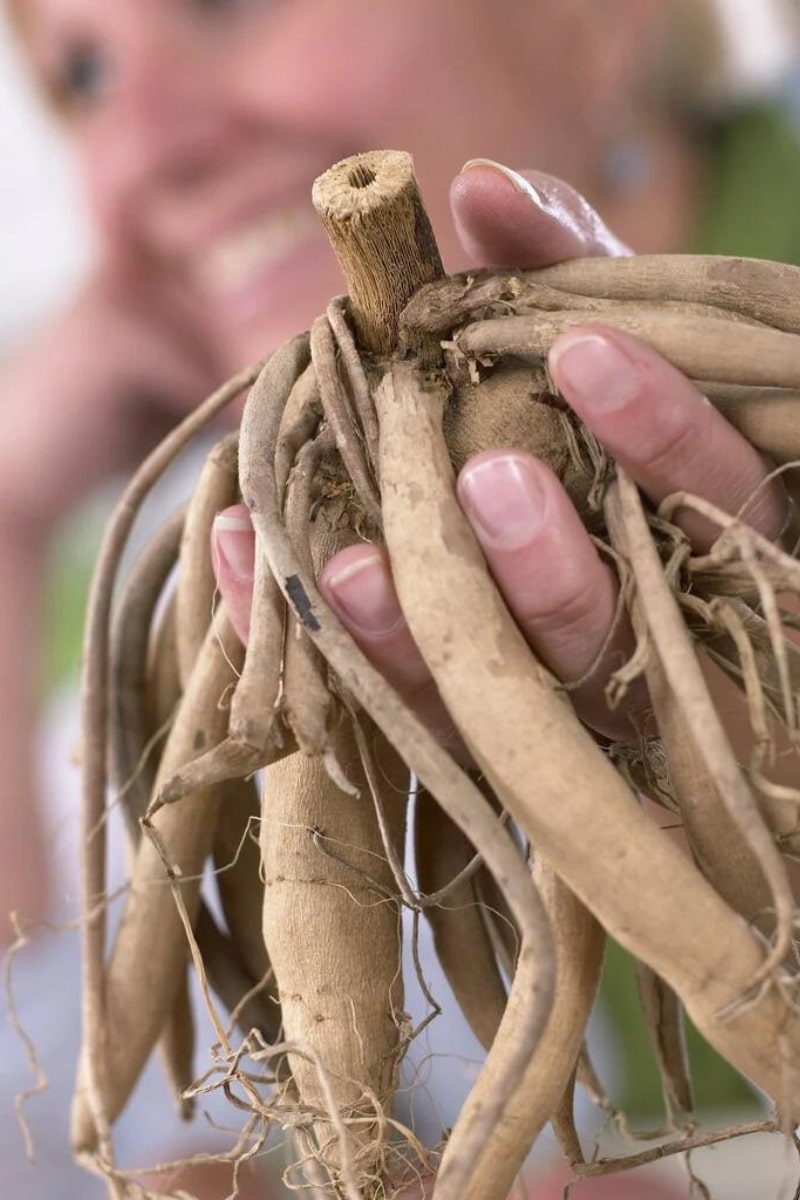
{"x": 405, "y": 74}
{"x": 97, "y": 174}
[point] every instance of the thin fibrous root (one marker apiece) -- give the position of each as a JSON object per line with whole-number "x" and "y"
{"x": 741, "y": 559}
{"x": 663, "y": 1014}
{"x": 681, "y": 1145}
{"x": 441, "y": 854}
{"x": 499, "y": 922}
{"x": 722, "y": 819}
{"x": 340, "y": 419}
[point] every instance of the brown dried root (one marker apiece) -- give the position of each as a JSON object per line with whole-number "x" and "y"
{"x": 217, "y": 488}
{"x": 140, "y": 714}
{"x": 307, "y": 703}
{"x": 663, "y": 1015}
{"x": 563, "y": 1123}
{"x": 442, "y": 854}
{"x": 188, "y": 623}
{"x": 699, "y": 346}
{"x": 689, "y": 1141}
{"x": 134, "y": 755}
{"x": 579, "y": 945}
{"x": 144, "y": 691}
{"x": 255, "y": 736}
{"x": 325, "y": 869}
{"x": 144, "y": 969}
{"x": 237, "y": 863}
{"x": 722, "y": 819}
{"x": 365, "y": 420}
{"x": 767, "y": 417}
{"x": 95, "y": 724}
{"x": 341, "y": 419}
{"x": 765, "y": 291}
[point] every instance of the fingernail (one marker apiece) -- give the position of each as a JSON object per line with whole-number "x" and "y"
{"x": 593, "y": 372}
{"x": 364, "y": 591}
{"x": 505, "y": 500}
{"x": 519, "y": 181}
{"x": 235, "y": 540}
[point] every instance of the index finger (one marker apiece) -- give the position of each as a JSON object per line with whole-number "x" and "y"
{"x": 509, "y": 218}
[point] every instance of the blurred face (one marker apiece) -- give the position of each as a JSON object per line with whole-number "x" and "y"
{"x": 201, "y": 125}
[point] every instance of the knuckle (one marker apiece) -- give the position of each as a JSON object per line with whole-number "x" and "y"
{"x": 564, "y": 609}
{"x": 674, "y": 447}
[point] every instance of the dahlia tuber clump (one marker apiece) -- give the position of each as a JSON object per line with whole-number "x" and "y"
{"x": 526, "y": 860}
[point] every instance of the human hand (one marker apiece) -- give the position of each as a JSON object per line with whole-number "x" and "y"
{"x": 562, "y": 594}
{"x": 91, "y": 394}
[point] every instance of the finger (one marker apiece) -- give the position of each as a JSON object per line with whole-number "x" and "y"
{"x": 659, "y": 427}
{"x": 358, "y": 585}
{"x": 561, "y": 593}
{"x": 508, "y": 218}
{"x": 233, "y": 548}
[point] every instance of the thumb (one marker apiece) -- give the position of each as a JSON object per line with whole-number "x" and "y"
{"x": 508, "y": 218}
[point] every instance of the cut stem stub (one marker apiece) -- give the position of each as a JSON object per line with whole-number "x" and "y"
{"x": 373, "y": 214}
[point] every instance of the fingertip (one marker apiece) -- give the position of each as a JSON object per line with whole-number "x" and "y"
{"x": 525, "y": 218}
{"x": 233, "y": 560}
{"x": 357, "y": 582}
{"x": 233, "y": 542}
{"x": 505, "y": 494}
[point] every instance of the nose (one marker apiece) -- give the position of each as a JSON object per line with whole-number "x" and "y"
{"x": 157, "y": 127}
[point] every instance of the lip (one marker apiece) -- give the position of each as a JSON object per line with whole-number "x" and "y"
{"x": 295, "y": 268}
{"x": 212, "y": 237}
{"x": 226, "y": 266}
{"x": 247, "y": 180}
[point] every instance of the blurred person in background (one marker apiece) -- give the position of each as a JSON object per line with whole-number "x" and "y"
{"x": 199, "y": 126}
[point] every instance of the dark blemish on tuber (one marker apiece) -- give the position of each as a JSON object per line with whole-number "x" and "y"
{"x": 301, "y": 603}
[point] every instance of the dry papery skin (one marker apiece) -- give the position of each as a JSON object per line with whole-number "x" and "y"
{"x": 287, "y": 766}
